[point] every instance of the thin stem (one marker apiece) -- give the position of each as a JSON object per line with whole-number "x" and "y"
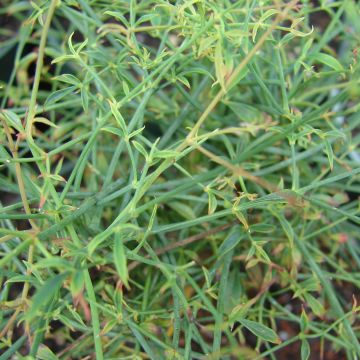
{"x": 38, "y": 70}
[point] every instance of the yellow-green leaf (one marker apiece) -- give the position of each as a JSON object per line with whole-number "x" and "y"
{"x": 220, "y": 69}
{"x": 120, "y": 260}
{"x": 330, "y": 61}
{"x": 261, "y": 331}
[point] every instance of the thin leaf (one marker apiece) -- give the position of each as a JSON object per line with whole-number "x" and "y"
{"x": 57, "y": 95}
{"x": 212, "y": 203}
{"x": 13, "y": 120}
{"x": 45, "y": 121}
{"x": 261, "y": 331}
{"x": 45, "y": 294}
{"x": 329, "y": 153}
{"x": 220, "y": 69}
{"x": 120, "y": 260}
{"x": 305, "y": 349}
{"x": 330, "y": 61}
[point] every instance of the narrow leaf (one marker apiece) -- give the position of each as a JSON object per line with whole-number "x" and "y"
{"x": 45, "y": 294}
{"x": 58, "y": 95}
{"x": 329, "y": 153}
{"x": 330, "y": 61}
{"x": 212, "y": 203}
{"x": 113, "y": 130}
{"x": 219, "y": 65}
{"x": 13, "y": 120}
{"x": 305, "y": 350}
{"x": 261, "y": 331}
{"x": 120, "y": 260}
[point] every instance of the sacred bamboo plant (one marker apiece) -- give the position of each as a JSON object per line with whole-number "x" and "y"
{"x": 179, "y": 179}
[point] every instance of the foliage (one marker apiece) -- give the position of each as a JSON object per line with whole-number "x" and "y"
{"x": 183, "y": 179}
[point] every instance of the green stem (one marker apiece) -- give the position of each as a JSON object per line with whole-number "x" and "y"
{"x": 38, "y": 69}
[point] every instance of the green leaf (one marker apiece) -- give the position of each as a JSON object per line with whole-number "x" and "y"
{"x": 136, "y": 132}
{"x": 330, "y": 61}
{"x": 58, "y": 95}
{"x": 77, "y": 282}
{"x": 13, "y": 120}
{"x": 286, "y": 226}
{"x": 120, "y": 260}
{"x": 118, "y": 117}
{"x": 242, "y": 218}
{"x": 63, "y": 58}
{"x": 125, "y": 87}
{"x": 45, "y": 353}
{"x": 118, "y": 15}
{"x": 329, "y": 153}
{"x": 140, "y": 149}
{"x": 80, "y": 46}
{"x": 196, "y": 70}
{"x": 263, "y": 18}
{"x": 305, "y": 349}
{"x": 242, "y": 73}
{"x": 245, "y": 112}
{"x": 261, "y": 331}
{"x": 220, "y": 69}
{"x": 183, "y": 210}
{"x": 304, "y": 321}
{"x": 57, "y": 177}
{"x": 314, "y": 304}
{"x": 24, "y": 278}
{"x": 262, "y": 228}
{"x": 207, "y": 277}
{"x": 184, "y": 80}
{"x": 262, "y": 253}
{"x": 230, "y": 242}
{"x": 212, "y": 203}
{"x": 68, "y": 79}
{"x": 165, "y": 154}
{"x": 84, "y": 98}
{"x": 53, "y": 262}
{"x": 71, "y": 47}
{"x": 45, "y": 121}
{"x": 113, "y": 130}
{"x": 45, "y": 294}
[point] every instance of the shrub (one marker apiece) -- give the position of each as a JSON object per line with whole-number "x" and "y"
{"x": 179, "y": 179}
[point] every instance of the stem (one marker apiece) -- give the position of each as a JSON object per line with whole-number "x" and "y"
{"x": 38, "y": 69}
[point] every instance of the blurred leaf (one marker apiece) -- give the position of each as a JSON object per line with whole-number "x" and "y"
{"x": 329, "y": 153}
{"x": 68, "y": 79}
{"x": 140, "y": 149}
{"x": 120, "y": 260}
{"x": 113, "y": 130}
{"x": 330, "y": 61}
{"x": 314, "y": 304}
{"x": 45, "y": 121}
{"x": 286, "y": 226}
{"x": 77, "y": 282}
{"x": 305, "y": 349}
{"x": 182, "y": 209}
{"x": 13, "y": 120}
{"x": 212, "y": 202}
{"x": 261, "y": 331}
{"x": 45, "y": 353}
{"x": 220, "y": 68}
{"x": 58, "y": 95}
{"x": 45, "y": 294}
{"x": 262, "y": 20}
